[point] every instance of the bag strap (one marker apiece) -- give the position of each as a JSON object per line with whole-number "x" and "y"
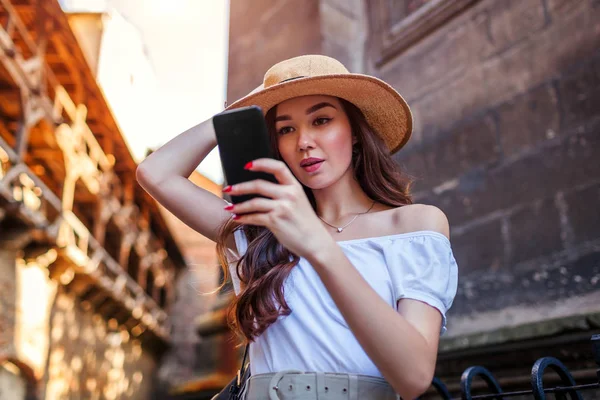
{"x": 242, "y": 369}
{"x": 235, "y": 388}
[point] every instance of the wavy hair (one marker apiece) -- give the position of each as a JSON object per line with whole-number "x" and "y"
{"x": 264, "y": 267}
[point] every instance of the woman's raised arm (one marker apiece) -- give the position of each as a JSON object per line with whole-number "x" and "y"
{"x": 164, "y": 175}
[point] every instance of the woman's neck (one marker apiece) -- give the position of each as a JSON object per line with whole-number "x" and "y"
{"x": 342, "y": 199}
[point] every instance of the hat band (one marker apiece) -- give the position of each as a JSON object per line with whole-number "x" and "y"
{"x": 291, "y": 79}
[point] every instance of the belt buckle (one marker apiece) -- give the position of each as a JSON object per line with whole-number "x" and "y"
{"x": 273, "y": 384}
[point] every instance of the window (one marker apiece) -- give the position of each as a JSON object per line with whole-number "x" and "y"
{"x": 395, "y": 25}
{"x": 403, "y": 8}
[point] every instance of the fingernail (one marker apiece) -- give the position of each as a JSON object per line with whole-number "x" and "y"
{"x": 227, "y": 188}
{"x": 228, "y": 207}
{"x": 235, "y": 216}
{"x": 248, "y": 166}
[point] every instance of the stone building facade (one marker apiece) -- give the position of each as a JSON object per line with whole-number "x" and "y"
{"x": 505, "y": 97}
{"x": 95, "y": 295}
{"x": 105, "y": 37}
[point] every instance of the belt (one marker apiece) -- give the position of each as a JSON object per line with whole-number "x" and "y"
{"x": 294, "y": 384}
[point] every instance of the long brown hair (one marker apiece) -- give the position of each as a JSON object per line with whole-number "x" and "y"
{"x": 264, "y": 267}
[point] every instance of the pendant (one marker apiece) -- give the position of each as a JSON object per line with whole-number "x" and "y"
{"x": 340, "y": 229}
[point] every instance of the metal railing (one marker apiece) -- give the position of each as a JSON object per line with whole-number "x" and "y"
{"x": 568, "y": 386}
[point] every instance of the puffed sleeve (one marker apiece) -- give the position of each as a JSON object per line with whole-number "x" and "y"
{"x": 424, "y": 268}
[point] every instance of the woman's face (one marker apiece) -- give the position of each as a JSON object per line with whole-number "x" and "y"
{"x": 314, "y": 127}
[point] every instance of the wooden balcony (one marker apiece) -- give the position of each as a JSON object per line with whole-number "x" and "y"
{"x": 67, "y": 178}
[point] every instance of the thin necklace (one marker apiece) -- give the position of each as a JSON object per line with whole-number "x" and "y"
{"x": 341, "y": 228}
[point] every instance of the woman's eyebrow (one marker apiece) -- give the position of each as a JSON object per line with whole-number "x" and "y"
{"x": 316, "y": 107}
{"x": 310, "y": 110}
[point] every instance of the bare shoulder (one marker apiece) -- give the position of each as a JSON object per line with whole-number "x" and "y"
{"x": 421, "y": 217}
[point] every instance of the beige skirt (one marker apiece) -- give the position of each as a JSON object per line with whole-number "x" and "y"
{"x": 297, "y": 385}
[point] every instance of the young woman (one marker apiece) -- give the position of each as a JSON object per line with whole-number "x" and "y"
{"x": 342, "y": 283}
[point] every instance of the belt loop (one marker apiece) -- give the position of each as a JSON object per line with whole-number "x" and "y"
{"x": 352, "y": 387}
{"x": 321, "y": 392}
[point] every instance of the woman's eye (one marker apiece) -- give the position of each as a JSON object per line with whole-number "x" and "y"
{"x": 284, "y": 130}
{"x": 321, "y": 121}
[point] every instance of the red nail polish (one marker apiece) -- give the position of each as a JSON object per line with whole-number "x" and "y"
{"x": 236, "y": 217}
{"x": 248, "y": 166}
{"x": 230, "y": 207}
{"x": 227, "y": 188}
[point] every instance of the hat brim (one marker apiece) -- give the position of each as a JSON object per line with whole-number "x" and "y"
{"x": 383, "y": 107}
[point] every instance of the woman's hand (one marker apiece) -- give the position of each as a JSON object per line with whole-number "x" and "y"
{"x": 287, "y": 212}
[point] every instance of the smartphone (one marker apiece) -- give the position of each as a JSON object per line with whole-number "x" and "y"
{"x": 242, "y": 136}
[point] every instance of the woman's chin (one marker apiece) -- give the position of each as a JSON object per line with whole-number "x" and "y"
{"x": 317, "y": 182}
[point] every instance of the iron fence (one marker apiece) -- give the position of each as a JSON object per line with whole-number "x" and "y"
{"x": 567, "y": 387}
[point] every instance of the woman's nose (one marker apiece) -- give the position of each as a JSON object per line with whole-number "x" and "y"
{"x": 305, "y": 141}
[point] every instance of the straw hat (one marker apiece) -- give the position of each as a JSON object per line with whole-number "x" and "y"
{"x": 385, "y": 110}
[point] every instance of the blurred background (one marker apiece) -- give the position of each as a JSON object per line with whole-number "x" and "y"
{"x": 105, "y": 295}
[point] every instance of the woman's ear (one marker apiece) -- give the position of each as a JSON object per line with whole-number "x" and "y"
{"x": 355, "y": 150}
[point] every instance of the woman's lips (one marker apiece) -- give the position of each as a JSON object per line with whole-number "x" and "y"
{"x": 313, "y": 167}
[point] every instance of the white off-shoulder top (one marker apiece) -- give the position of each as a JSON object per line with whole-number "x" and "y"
{"x": 315, "y": 337}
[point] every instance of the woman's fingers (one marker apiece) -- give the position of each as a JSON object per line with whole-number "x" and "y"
{"x": 256, "y": 205}
{"x": 257, "y": 186}
{"x": 259, "y": 219}
{"x": 275, "y": 167}
{"x": 259, "y": 211}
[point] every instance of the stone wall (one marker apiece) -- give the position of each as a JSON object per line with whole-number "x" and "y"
{"x": 264, "y": 32}
{"x": 12, "y": 384}
{"x": 344, "y": 32}
{"x": 55, "y": 347}
{"x": 504, "y": 96}
{"x": 195, "y": 295}
{"x": 88, "y": 29}
{"x": 91, "y": 358}
{"x": 506, "y": 144}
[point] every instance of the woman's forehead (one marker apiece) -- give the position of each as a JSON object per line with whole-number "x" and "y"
{"x": 302, "y": 103}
